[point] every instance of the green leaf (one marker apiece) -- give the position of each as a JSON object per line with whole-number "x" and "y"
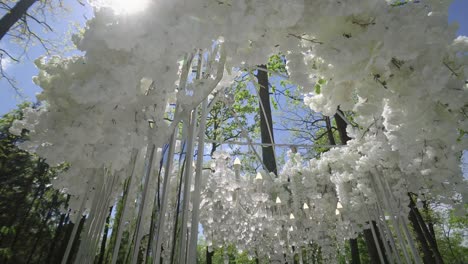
{"x": 317, "y": 88}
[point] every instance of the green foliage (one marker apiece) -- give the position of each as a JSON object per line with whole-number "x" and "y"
{"x": 318, "y": 85}
{"x": 277, "y": 63}
{"x": 399, "y": 3}
{"x": 451, "y": 235}
{"x": 30, "y": 214}
{"x": 227, "y": 122}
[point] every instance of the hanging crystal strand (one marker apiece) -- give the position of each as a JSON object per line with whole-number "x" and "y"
{"x": 164, "y": 200}
{"x": 75, "y": 226}
{"x": 91, "y": 218}
{"x": 389, "y": 234}
{"x": 393, "y": 218}
{"x": 148, "y": 165}
{"x": 120, "y": 227}
{"x": 415, "y": 253}
{"x": 187, "y": 184}
{"x": 237, "y": 168}
{"x": 192, "y": 248}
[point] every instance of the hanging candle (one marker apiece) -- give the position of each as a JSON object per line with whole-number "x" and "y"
{"x": 259, "y": 176}
{"x": 339, "y": 205}
{"x": 278, "y": 200}
{"x": 258, "y": 180}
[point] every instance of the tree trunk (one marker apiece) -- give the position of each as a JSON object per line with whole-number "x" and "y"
{"x": 430, "y": 224}
{"x": 341, "y": 125}
{"x": 57, "y": 257}
{"x": 353, "y": 244}
{"x": 266, "y": 121}
{"x": 425, "y": 235}
{"x": 15, "y": 14}
{"x": 43, "y": 226}
{"x": 427, "y": 253}
{"x": 104, "y": 237}
{"x": 209, "y": 256}
{"x": 76, "y": 241}
{"x": 40, "y": 171}
{"x": 380, "y": 241}
{"x": 331, "y": 138}
{"x": 371, "y": 247}
{"x": 58, "y": 231}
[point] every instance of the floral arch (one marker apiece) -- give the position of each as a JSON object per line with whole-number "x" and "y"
{"x": 396, "y": 65}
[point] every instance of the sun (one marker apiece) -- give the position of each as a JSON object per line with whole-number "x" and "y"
{"x": 124, "y": 6}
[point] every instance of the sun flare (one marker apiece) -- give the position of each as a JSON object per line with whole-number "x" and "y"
{"x": 125, "y": 6}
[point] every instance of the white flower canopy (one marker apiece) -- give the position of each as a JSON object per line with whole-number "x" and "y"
{"x": 397, "y": 66}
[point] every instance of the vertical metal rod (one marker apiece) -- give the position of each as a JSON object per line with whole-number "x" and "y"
{"x": 95, "y": 226}
{"x": 120, "y": 227}
{"x": 165, "y": 191}
{"x": 393, "y": 218}
{"x": 383, "y": 234}
{"x": 91, "y": 219}
{"x": 376, "y": 241}
{"x": 138, "y": 229}
{"x": 187, "y": 184}
{"x": 95, "y": 230}
{"x": 409, "y": 238}
{"x": 192, "y": 248}
{"x": 192, "y": 251}
{"x": 105, "y": 206}
{"x": 75, "y": 226}
{"x": 389, "y": 235}
{"x": 149, "y": 248}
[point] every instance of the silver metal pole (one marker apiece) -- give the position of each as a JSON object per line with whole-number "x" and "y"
{"x": 165, "y": 191}
{"x": 187, "y": 184}
{"x": 393, "y": 218}
{"x": 192, "y": 250}
{"x": 75, "y": 226}
{"x": 120, "y": 227}
{"x": 138, "y": 229}
{"x": 91, "y": 219}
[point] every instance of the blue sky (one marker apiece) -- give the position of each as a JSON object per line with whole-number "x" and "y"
{"x": 63, "y": 24}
